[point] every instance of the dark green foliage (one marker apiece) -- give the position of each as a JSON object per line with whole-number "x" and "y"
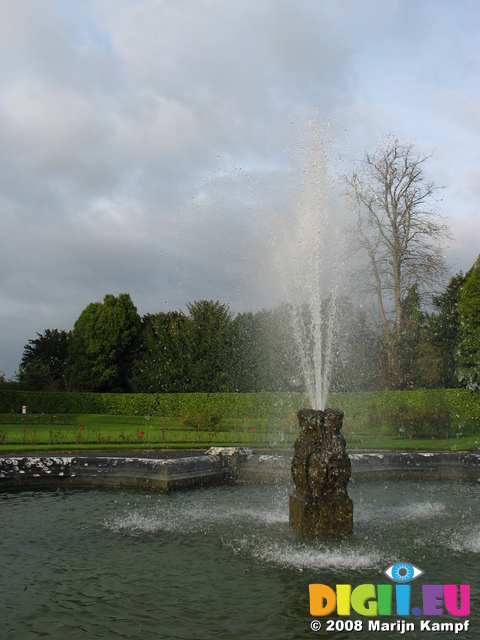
{"x": 161, "y": 364}
{"x": 355, "y": 349}
{"x": 278, "y": 361}
{"x": 432, "y": 419}
{"x": 443, "y": 332}
{"x": 44, "y": 360}
{"x": 36, "y": 376}
{"x": 419, "y": 361}
{"x": 210, "y": 350}
{"x": 468, "y": 353}
{"x": 103, "y": 344}
{"x": 246, "y": 353}
{"x": 210, "y": 339}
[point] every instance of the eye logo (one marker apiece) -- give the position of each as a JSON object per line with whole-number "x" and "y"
{"x": 403, "y": 572}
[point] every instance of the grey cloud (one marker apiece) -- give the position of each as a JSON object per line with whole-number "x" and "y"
{"x": 144, "y": 143}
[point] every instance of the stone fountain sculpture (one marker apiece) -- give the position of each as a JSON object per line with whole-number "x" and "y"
{"x": 321, "y": 470}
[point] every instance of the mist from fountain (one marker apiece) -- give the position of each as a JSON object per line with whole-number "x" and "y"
{"x": 310, "y": 257}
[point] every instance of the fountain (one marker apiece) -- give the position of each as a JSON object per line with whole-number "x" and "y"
{"x": 311, "y": 263}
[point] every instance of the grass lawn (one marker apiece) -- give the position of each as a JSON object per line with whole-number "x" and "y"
{"x": 78, "y": 432}
{"x": 60, "y": 432}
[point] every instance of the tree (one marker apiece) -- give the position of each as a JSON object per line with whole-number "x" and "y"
{"x": 420, "y": 361}
{"x": 246, "y": 355}
{"x": 278, "y": 359}
{"x": 44, "y": 361}
{"x": 36, "y": 376}
{"x": 443, "y": 330}
{"x": 355, "y": 350}
{"x": 398, "y": 234}
{"x": 210, "y": 346}
{"x": 104, "y": 342}
{"x": 468, "y": 353}
{"x": 161, "y": 365}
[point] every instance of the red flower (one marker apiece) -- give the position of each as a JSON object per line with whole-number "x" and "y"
{"x": 142, "y": 433}
{"x": 254, "y": 428}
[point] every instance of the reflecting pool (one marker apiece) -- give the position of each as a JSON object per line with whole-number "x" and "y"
{"x": 217, "y": 563}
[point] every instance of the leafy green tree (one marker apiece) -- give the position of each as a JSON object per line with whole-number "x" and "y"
{"x": 468, "y": 353}
{"x": 245, "y": 353}
{"x": 210, "y": 346}
{"x": 35, "y": 376}
{"x": 355, "y": 351}
{"x": 104, "y": 342}
{"x": 161, "y": 365}
{"x": 444, "y": 331}
{"x": 278, "y": 358}
{"x": 44, "y": 361}
{"x": 410, "y": 338}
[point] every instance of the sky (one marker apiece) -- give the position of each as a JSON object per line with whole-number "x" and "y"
{"x": 147, "y": 144}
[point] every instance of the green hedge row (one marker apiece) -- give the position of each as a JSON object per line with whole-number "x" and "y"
{"x": 463, "y": 403}
{"x": 261, "y": 405}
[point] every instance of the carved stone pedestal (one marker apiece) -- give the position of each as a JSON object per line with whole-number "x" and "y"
{"x": 321, "y": 471}
{"x": 319, "y": 518}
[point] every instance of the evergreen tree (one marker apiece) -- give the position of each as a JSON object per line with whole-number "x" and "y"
{"x": 44, "y": 361}
{"x": 443, "y": 331}
{"x": 162, "y": 363}
{"x": 468, "y": 353}
{"x": 104, "y": 343}
{"x": 210, "y": 347}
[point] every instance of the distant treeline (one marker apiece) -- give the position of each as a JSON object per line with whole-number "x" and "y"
{"x": 209, "y": 349}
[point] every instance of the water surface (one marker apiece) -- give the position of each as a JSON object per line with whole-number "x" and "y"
{"x": 217, "y": 563}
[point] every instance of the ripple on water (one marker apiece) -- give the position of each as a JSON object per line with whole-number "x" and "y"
{"x": 306, "y": 557}
{"x": 466, "y": 541}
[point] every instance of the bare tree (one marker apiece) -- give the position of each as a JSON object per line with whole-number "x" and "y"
{"x": 398, "y": 233}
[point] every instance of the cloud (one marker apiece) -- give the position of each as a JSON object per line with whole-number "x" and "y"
{"x": 148, "y": 146}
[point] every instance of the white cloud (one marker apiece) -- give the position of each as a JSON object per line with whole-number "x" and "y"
{"x": 121, "y": 122}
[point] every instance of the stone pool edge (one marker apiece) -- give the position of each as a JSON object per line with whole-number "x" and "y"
{"x": 219, "y": 465}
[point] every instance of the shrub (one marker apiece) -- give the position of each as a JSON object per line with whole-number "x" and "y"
{"x": 430, "y": 420}
{"x": 364, "y": 420}
{"x": 202, "y": 421}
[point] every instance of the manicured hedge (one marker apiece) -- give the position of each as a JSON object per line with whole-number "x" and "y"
{"x": 463, "y": 403}
{"x": 169, "y": 404}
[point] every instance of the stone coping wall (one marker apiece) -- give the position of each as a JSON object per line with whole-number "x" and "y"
{"x": 374, "y": 466}
{"x": 218, "y": 466}
{"x": 135, "y": 473}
